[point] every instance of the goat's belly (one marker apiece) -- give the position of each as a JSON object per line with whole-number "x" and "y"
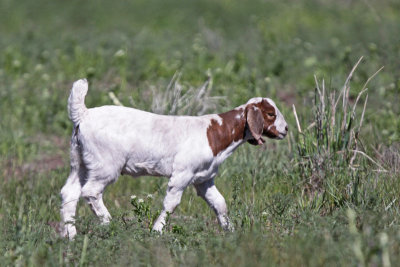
{"x": 150, "y": 167}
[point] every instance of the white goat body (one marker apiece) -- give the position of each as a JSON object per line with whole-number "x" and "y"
{"x": 111, "y": 140}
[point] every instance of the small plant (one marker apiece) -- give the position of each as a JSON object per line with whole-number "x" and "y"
{"x": 178, "y": 229}
{"x": 279, "y": 204}
{"x": 142, "y": 210}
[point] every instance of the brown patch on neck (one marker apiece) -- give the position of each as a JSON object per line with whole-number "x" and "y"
{"x": 231, "y": 130}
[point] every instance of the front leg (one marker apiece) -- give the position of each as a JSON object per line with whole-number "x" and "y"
{"x": 171, "y": 201}
{"x": 176, "y": 185}
{"x": 209, "y": 192}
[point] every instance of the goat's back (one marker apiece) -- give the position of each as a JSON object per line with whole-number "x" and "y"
{"x": 135, "y": 134}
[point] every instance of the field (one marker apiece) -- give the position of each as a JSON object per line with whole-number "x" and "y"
{"x": 327, "y": 195}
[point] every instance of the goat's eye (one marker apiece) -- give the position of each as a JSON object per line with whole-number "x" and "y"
{"x": 271, "y": 114}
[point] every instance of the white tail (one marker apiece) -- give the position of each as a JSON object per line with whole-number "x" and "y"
{"x": 76, "y": 101}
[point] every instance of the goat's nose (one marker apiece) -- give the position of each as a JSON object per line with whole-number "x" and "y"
{"x": 286, "y": 128}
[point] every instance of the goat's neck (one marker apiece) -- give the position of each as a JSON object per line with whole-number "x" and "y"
{"x": 229, "y": 132}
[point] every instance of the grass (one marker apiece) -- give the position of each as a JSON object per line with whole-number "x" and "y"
{"x": 326, "y": 195}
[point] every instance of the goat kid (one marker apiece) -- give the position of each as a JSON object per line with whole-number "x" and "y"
{"x": 109, "y": 141}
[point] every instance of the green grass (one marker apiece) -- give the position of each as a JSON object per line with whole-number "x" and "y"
{"x": 301, "y": 201}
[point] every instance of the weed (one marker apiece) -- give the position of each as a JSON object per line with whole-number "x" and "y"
{"x": 142, "y": 210}
{"x": 328, "y": 147}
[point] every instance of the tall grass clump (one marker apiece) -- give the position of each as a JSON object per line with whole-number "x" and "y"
{"x": 181, "y": 98}
{"x": 330, "y": 149}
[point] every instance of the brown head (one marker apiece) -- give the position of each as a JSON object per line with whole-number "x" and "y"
{"x": 264, "y": 119}
{"x": 258, "y": 117}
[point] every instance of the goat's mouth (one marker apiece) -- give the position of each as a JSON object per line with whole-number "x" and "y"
{"x": 281, "y": 136}
{"x": 272, "y": 134}
{"x": 277, "y": 135}
{"x": 261, "y": 141}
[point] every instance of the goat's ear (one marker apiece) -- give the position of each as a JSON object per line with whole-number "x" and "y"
{"x": 255, "y": 121}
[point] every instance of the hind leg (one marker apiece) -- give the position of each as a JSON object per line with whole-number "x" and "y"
{"x": 71, "y": 191}
{"x": 92, "y": 192}
{"x": 70, "y": 194}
